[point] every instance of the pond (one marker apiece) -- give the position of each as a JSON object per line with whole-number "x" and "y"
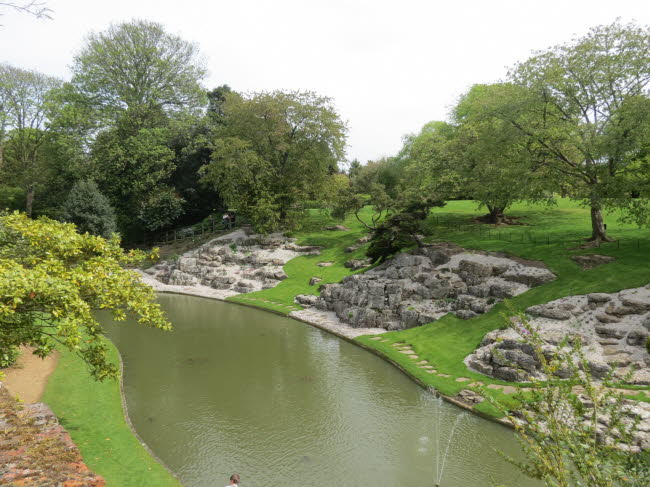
{"x": 236, "y": 389}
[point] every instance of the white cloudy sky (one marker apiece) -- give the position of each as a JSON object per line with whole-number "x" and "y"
{"x": 390, "y": 66}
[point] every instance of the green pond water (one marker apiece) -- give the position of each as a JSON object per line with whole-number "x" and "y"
{"x": 235, "y": 389}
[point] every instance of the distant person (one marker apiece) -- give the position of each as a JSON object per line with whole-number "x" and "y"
{"x": 234, "y": 480}
{"x": 233, "y": 218}
{"x": 225, "y": 220}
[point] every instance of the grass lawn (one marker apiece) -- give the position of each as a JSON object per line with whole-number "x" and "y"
{"x": 92, "y": 413}
{"x": 547, "y": 235}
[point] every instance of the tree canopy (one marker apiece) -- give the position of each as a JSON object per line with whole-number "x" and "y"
{"x": 138, "y": 64}
{"x": 53, "y": 279}
{"x": 273, "y": 151}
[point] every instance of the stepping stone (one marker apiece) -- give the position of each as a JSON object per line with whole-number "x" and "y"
{"x": 475, "y": 384}
{"x": 497, "y": 387}
{"x": 414, "y": 356}
{"x": 444, "y": 375}
{"x": 430, "y": 367}
{"x": 422, "y": 362}
{"x": 509, "y": 390}
{"x": 462, "y": 379}
{"x": 407, "y": 352}
{"x": 376, "y": 338}
{"x": 431, "y": 371}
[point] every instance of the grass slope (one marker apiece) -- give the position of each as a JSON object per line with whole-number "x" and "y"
{"x": 547, "y": 235}
{"x": 301, "y": 269}
{"x": 92, "y": 413}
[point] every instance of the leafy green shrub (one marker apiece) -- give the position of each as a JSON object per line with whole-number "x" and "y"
{"x": 8, "y": 355}
{"x": 233, "y": 247}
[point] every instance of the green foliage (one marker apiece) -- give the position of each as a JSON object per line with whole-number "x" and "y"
{"x": 491, "y": 156}
{"x": 583, "y": 106}
{"x": 89, "y": 210}
{"x": 52, "y": 279}
{"x": 138, "y": 64}
{"x": 8, "y": 355}
{"x": 376, "y": 185}
{"x": 23, "y": 130}
{"x": 275, "y": 150}
{"x": 395, "y": 234}
{"x": 565, "y": 441}
{"x": 133, "y": 167}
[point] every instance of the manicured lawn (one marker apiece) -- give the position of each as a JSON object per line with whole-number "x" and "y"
{"x": 547, "y": 235}
{"x": 92, "y": 414}
{"x": 446, "y": 342}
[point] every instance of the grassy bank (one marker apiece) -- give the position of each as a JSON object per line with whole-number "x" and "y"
{"x": 547, "y": 234}
{"x": 92, "y": 413}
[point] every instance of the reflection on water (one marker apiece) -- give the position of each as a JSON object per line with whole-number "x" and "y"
{"x": 234, "y": 389}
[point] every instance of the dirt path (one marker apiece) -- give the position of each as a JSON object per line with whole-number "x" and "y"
{"x": 27, "y": 379}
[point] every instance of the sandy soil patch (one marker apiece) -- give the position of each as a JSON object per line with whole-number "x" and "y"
{"x": 28, "y": 378}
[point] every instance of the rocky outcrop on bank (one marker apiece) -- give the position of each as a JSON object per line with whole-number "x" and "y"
{"x": 419, "y": 287}
{"x": 612, "y": 328}
{"x": 36, "y": 450}
{"x": 233, "y": 264}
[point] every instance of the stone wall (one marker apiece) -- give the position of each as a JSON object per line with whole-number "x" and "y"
{"x": 36, "y": 450}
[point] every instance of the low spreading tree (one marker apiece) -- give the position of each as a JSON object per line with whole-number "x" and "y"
{"x": 53, "y": 280}
{"x": 492, "y": 158}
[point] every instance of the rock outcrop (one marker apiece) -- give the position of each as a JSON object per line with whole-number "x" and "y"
{"x": 419, "y": 287}
{"x": 612, "y": 328}
{"x": 36, "y": 450}
{"x": 235, "y": 263}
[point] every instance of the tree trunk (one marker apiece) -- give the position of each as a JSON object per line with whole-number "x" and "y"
{"x": 29, "y": 204}
{"x": 496, "y": 214}
{"x": 598, "y": 232}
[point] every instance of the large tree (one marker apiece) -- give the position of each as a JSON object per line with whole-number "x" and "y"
{"x": 138, "y": 65}
{"x": 24, "y": 127}
{"x": 584, "y": 105}
{"x": 491, "y": 157}
{"x": 274, "y": 150}
{"x": 133, "y": 164}
{"x": 53, "y": 280}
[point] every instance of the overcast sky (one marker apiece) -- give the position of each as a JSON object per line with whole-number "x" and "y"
{"x": 391, "y": 66}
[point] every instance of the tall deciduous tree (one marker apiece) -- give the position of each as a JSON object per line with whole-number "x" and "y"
{"x": 275, "y": 150}
{"x": 138, "y": 65}
{"x": 492, "y": 158}
{"x": 52, "y": 279}
{"x": 23, "y": 126}
{"x": 585, "y": 109}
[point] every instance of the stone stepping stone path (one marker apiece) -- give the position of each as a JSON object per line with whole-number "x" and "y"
{"x": 407, "y": 350}
{"x": 504, "y": 389}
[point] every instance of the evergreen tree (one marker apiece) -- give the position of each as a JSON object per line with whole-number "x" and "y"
{"x": 89, "y": 209}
